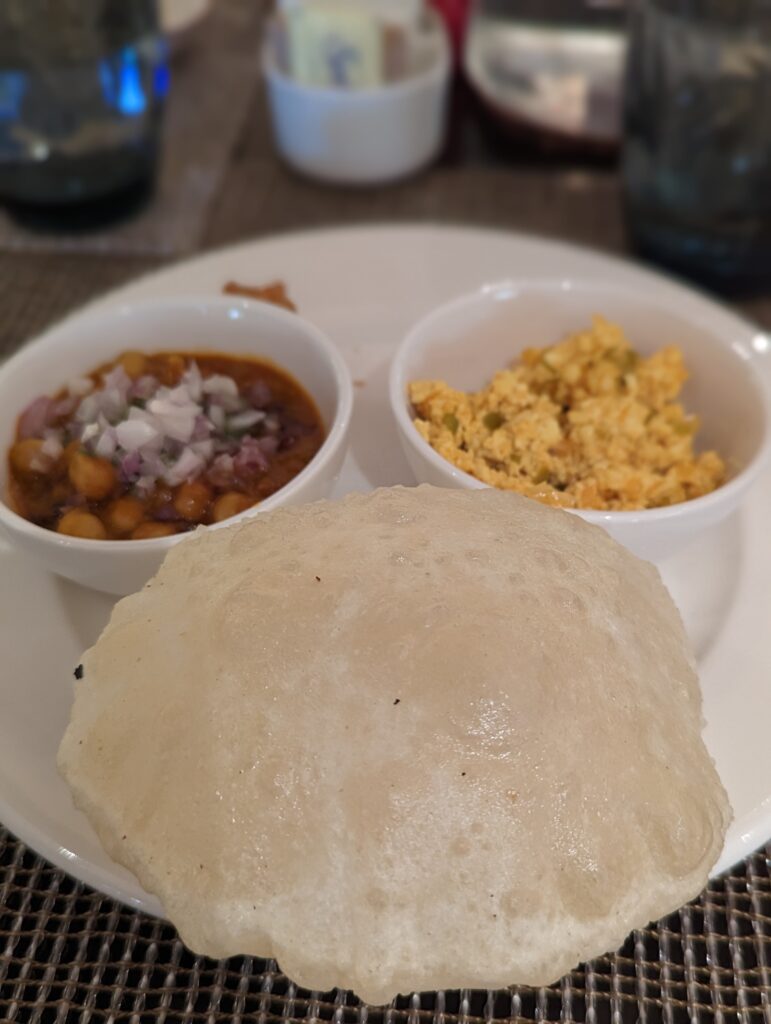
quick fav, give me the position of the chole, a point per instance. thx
(409, 740)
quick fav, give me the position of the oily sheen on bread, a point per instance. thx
(408, 740)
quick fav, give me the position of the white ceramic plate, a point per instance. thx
(364, 287)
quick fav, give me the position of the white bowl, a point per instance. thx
(362, 136)
(466, 341)
(222, 324)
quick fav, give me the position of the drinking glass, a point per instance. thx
(697, 152)
(82, 84)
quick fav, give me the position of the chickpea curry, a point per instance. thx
(153, 445)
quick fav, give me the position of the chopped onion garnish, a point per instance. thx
(179, 426)
(143, 388)
(36, 417)
(145, 486)
(250, 456)
(244, 420)
(203, 448)
(268, 444)
(130, 466)
(220, 472)
(153, 433)
(193, 382)
(135, 413)
(89, 408)
(218, 384)
(187, 466)
(259, 394)
(117, 380)
(202, 428)
(217, 417)
(106, 445)
(152, 465)
(51, 448)
(64, 407)
(134, 434)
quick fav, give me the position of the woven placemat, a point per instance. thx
(68, 954)
(213, 81)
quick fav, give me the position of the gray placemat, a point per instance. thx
(69, 954)
(214, 76)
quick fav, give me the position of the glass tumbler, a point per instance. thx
(82, 84)
(697, 151)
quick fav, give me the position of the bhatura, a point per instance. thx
(408, 740)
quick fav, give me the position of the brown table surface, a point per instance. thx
(68, 954)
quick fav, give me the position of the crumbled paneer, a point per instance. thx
(586, 423)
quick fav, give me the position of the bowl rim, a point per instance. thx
(506, 289)
(336, 433)
(438, 70)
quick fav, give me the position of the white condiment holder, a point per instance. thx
(365, 136)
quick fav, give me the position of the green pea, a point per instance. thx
(451, 422)
(684, 427)
(626, 360)
(493, 420)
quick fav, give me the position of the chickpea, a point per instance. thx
(192, 500)
(230, 504)
(70, 451)
(162, 496)
(28, 460)
(150, 531)
(133, 363)
(85, 525)
(91, 477)
(125, 515)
